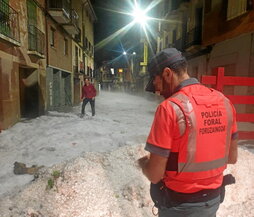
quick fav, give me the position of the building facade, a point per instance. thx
(211, 34)
(61, 30)
(70, 50)
(22, 60)
(46, 48)
(83, 47)
(231, 37)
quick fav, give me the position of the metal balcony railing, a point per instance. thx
(36, 40)
(78, 36)
(74, 17)
(193, 37)
(60, 5)
(85, 43)
(9, 22)
(72, 26)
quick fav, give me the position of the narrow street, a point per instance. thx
(95, 157)
(120, 120)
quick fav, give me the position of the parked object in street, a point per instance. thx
(88, 95)
(192, 139)
(21, 168)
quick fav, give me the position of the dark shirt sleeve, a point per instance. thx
(157, 150)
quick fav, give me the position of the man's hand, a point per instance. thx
(93, 98)
(143, 161)
(233, 152)
(153, 166)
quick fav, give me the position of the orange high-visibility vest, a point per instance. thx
(202, 151)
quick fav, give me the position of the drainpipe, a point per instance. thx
(47, 55)
(251, 55)
(46, 31)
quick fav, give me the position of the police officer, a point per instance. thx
(192, 139)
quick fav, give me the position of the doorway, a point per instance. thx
(29, 93)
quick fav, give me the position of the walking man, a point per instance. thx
(192, 139)
(88, 95)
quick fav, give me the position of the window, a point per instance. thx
(249, 4)
(76, 52)
(87, 70)
(65, 46)
(31, 12)
(52, 37)
(166, 41)
(5, 18)
(91, 72)
(166, 7)
(175, 4)
(158, 46)
(174, 36)
(236, 8)
(85, 43)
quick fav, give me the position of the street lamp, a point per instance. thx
(132, 62)
(131, 57)
(139, 15)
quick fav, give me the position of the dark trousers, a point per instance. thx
(92, 103)
(204, 203)
(201, 209)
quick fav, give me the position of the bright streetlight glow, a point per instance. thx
(124, 53)
(139, 16)
(134, 53)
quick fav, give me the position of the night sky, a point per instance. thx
(108, 23)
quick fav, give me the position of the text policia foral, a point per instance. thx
(212, 122)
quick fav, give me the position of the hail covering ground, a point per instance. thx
(96, 158)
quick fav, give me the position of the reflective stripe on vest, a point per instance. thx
(183, 103)
(180, 118)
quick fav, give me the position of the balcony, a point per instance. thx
(60, 10)
(9, 24)
(193, 39)
(36, 42)
(72, 26)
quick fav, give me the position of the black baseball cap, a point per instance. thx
(163, 59)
